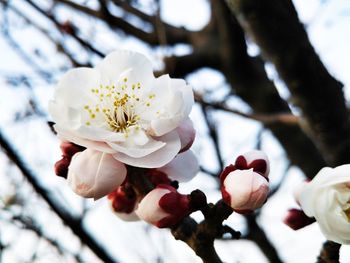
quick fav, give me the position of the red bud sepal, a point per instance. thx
(297, 219)
(164, 206)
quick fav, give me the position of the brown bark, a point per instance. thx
(329, 253)
(275, 27)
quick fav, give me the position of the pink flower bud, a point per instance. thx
(297, 219)
(163, 207)
(257, 160)
(187, 134)
(94, 174)
(244, 190)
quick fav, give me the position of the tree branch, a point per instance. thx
(174, 35)
(213, 135)
(281, 118)
(60, 46)
(199, 236)
(248, 80)
(72, 33)
(329, 253)
(257, 235)
(300, 67)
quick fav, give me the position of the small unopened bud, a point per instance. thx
(297, 219)
(256, 160)
(244, 190)
(94, 174)
(163, 207)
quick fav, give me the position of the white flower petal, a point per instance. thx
(161, 126)
(74, 87)
(94, 174)
(65, 115)
(137, 151)
(173, 101)
(158, 158)
(183, 168)
(71, 137)
(187, 95)
(139, 137)
(99, 134)
(187, 134)
(122, 63)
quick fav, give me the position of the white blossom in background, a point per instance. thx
(120, 108)
(327, 198)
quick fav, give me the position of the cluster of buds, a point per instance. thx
(244, 185)
(168, 205)
(164, 206)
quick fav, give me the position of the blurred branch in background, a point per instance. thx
(75, 224)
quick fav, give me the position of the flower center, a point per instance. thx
(117, 106)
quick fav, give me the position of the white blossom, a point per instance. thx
(327, 198)
(120, 108)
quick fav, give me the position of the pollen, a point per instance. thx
(116, 106)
